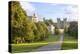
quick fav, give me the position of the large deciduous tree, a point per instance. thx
(21, 27)
(73, 29)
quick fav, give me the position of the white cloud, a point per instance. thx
(72, 12)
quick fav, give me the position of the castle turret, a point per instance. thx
(34, 18)
(65, 22)
(58, 23)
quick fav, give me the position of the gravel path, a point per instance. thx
(51, 46)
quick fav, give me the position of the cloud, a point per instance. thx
(71, 12)
(30, 9)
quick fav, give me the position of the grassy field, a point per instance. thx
(69, 43)
(28, 47)
(51, 38)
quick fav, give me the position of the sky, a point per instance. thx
(51, 10)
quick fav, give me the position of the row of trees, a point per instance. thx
(22, 29)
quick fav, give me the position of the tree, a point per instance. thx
(21, 26)
(73, 29)
(48, 22)
(17, 17)
(36, 32)
(43, 31)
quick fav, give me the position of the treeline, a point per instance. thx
(73, 29)
(22, 28)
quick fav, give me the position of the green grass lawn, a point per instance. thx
(51, 38)
(69, 43)
(17, 48)
(28, 47)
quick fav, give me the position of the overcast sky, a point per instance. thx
(51, 10)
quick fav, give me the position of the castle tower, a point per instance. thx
(65, 22)
(61, 24)
(34, 18)
(58, 23)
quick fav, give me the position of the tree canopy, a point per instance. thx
(22, 28)
(73, 29)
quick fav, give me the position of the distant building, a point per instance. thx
(61, 25)
(51, 29)
(34, 18)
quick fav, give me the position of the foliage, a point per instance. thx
(57, 31)
(22, 28)
(42, 28)
(73, 29)
(48, 22)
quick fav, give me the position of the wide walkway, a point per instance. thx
(52, 46)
